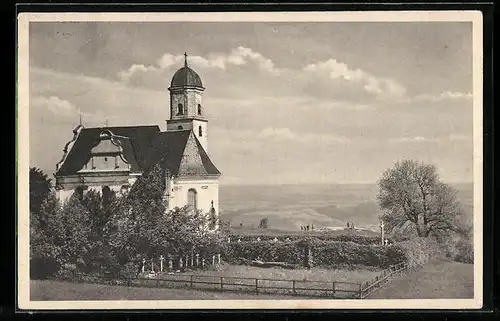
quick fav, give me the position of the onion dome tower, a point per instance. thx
(186, 103)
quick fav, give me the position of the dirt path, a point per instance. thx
(436, 280)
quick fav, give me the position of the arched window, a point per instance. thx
(199, 109)
(192, 199)
(106, 195)
(180, 110)
(179, 127)
(200, 131)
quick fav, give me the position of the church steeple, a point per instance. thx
(186, 103)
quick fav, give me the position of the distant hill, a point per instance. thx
(287, 207)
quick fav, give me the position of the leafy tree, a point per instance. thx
(71, 232)
(100, 209)
(40, 186)
(142, 228)
(263, 223)
(412, 194)
(44, 253)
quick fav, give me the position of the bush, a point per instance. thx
(264, 250)
(465, 251)
(336, 254)
(421, 250)
(325, 253)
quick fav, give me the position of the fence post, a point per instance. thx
(293, 286)
(333, 288)
(360, 291)
(191, 281)
(221, 282)
(256, 286)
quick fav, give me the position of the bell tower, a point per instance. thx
(186, 104)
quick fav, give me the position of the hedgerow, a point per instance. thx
(269, 251)
(337, 253)
(325, 253)
(359, 239)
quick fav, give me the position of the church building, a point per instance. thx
(114, 158)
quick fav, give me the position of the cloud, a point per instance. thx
(239, 56)
(444, 96)
(55, 105)
(382, 88)
(97, 99)
(280, 134)
(305, 138)
(129, 73)
(441, 139)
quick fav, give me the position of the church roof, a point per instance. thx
(170, 148)
(186, 77)
(88, 138)
(143, 147)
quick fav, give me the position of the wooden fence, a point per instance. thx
(328, 289)
(369, 287)
(333, 289)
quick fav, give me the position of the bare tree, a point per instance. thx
(412, 192)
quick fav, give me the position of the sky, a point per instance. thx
(287, 103)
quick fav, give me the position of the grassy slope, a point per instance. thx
(436, 280)
(65, 291)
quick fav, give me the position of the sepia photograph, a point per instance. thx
(312, 160)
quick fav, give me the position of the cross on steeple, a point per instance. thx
(185, 59)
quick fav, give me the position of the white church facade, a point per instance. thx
(114, 158)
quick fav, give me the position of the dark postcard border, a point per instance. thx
(8, 304)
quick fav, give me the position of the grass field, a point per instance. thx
(436, 280)
(313, 274)
(303, 282)
(56, 290)
(64, 291)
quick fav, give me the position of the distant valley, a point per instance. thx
(287, 207)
